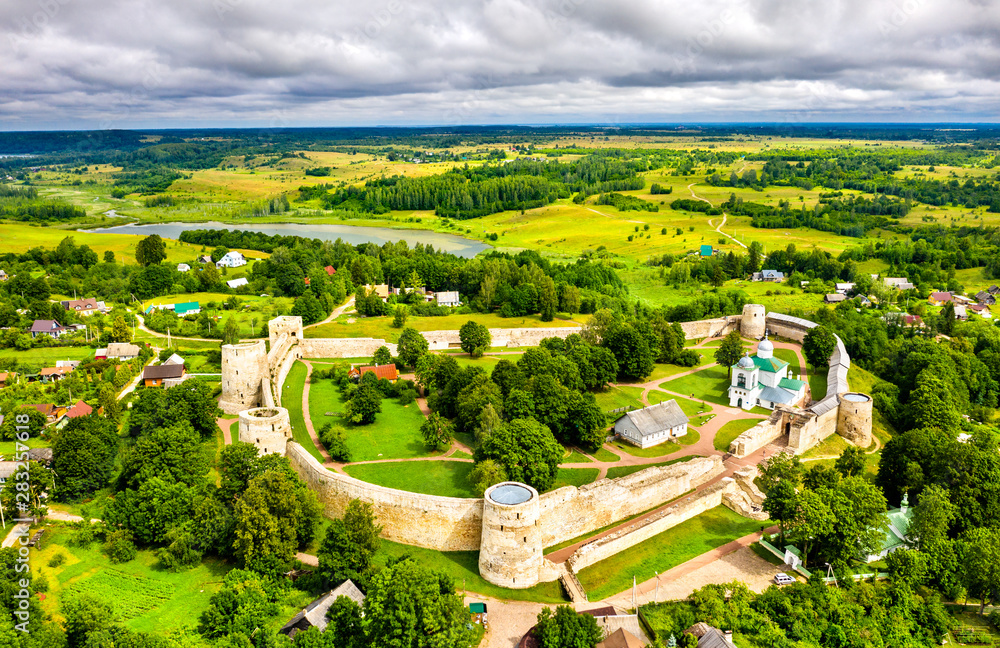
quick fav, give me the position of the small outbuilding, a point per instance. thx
(652, 425)
(448, 298)
(314, 614)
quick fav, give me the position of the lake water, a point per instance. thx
(349, 233)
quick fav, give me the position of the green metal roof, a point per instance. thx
(791, 383)
(184, 307)
(706, 250)
(771, 365)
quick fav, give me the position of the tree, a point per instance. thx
(172, 453)
(268, 517)
(109, 256)
(783, 466)
(979, 557)
(350, 544)
(231, 332)
(83, 455)
(812, 519)
(407, 606)
(946, 319)
(219, 252)
(730, 351)
(84, 614)
(851, 462)
(818, 346)
(150, 250)
(548, 300)
(929, 404)
(308, 308)
(411, 347)
(119, 330)
(859, 510)
(567, 628)
(32, 480)
(437, 432)
(399, 317)
(475, 338)
(631, 350)
(346, 624)
(526, 450)
(484, 474)
(932, 518)
(364, 405)
(781, 505)
(382, 356)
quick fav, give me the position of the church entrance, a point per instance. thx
(739, 403)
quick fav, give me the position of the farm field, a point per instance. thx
(348, 326)
(145, 597)
(673, 547)
(32, 360)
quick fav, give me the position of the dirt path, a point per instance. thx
(226, 425)
(718, 228)
(308, 419)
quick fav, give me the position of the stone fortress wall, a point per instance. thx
(460, 524)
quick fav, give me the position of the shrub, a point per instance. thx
(335, 442)
(119, 546)
(57, 560)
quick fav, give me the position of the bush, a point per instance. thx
(57, 560)
(687, 358)
(119, 546)
(335, 442)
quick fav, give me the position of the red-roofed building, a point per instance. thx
(330, 270)
(938, 298)
(54, 373)
(78, 410)
(387, 371)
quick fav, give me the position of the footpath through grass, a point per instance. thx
(463, 567)
(445, 478)
(664, 551)
(728, 432)
(291, 399)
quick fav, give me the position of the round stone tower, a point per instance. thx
(268, 428)
(243, 368)
(752, 324)
(511, 550)
(854, 418)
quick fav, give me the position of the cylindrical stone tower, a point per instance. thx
(268, 428)
(753, 324)
(243, 368)
(854, 418)
(511, 550)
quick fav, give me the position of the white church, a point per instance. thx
(763, 380)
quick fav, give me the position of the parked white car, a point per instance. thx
(783, 579)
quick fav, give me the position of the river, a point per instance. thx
(349, 233)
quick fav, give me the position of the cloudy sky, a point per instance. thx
(178, 63)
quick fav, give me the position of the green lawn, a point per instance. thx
(603, 454)
(818, 384)
(395, 434)
(788, 355)
(7, 447)
(463, 567)
(575, 477)
(146, 597)
(668, 370)
(575, 457)
(728, 432)
(445, 478)
(689, 407)
(291, 399)
(673, 547)
(616, 397)
(710, 384)
(32, 360)
(621, 471)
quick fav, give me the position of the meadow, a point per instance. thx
(350, 325)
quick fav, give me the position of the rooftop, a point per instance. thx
(656, 418)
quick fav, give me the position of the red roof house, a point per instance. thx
(330, 270)
(387, 371)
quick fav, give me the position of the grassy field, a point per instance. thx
(710, 384)
(864, 382)
(622, 471)
(603, 454)
(32, 360)
(617, 397)
(445, 478)
(291, 399)
(463, 567)
(146, 597)
(728, 432)
(347, 326)
(667, 370)
(575, 457)
(575, 477)
(395, 434)
(673, 547)
(817, 383)
(7, 447)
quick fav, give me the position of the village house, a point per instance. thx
(48, 327)
(236, 283)
(232, 259)
(3, 276)
(155, 376)
(448, 298)
(710, 637)
(121, 351)
(382, 290)
(621, 638)
(843, 288)
(174, 359)
(85, 307)
(983, 310)
(387, 371)
(330, 270)
(897, 525)
(939, 298)
(314, 614)
(984, 297)
(78, 410)
(205, 258)
(183, 267)
(705, 251)
(768, 275)
(7, 378)
(48, 410)
(834, 298)
(52, 374)
(899, 283)
(961, 313)
(763, 380)
(652, 425)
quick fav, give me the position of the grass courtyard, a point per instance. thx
(664, 551)
(291, 399)
(444, 478)
(728, 432)
(711, 384)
